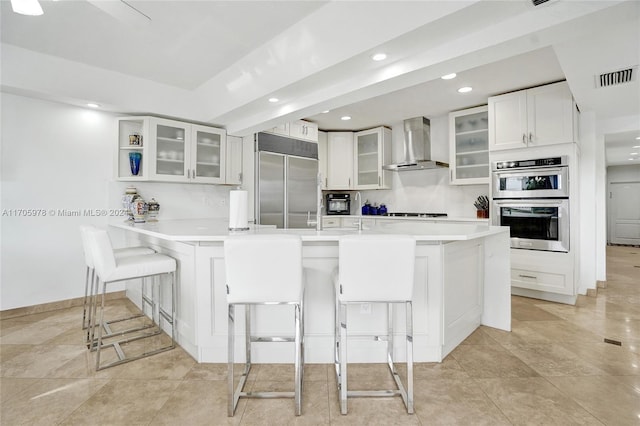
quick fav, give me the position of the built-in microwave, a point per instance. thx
(338, 203)
(540, 178)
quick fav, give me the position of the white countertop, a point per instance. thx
(217, 230)
(423, 219)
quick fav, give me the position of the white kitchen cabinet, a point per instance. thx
(323, 158)
(234, 161)
(207, 155)
(303, 130)
(372, 149)
(132, 132)
(299, 129)
(172, 151)
(340, 160)
(549, 273)
(469, 146)
(538, 116)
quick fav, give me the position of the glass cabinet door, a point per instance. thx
(470, 146)
(171, 151)
(367, 150)
(208, 155)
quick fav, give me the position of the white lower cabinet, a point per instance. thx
(544, 272)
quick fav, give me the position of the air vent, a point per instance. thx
(616, 78)
(538, 2)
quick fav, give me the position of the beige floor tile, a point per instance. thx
(455, 401)
(209, 371)
(370, 411)
(525, 309)
(279, 411)
(12, 387)
(198, 402)
(124, 402)
(173, 364)
(490, 361)
(39, 362)
(563, 331)
(553, 360)
(48, 401)
(34, 333)
(613, 360)
(535, 401)
(520, 333)
(614, 401)
(449, 368)
(479, 337)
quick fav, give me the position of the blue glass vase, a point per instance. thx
(134, 162)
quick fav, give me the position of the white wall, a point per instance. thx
(427, 190)
(59, 157)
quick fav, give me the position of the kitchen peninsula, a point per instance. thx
(462, 280)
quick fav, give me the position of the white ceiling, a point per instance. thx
(219, 61)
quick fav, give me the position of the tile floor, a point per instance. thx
(552, 369)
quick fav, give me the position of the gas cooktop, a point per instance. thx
(402, 214)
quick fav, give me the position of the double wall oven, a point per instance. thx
(531, 197)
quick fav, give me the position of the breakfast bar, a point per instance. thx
(462, 280)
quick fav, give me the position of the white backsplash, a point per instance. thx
(179, 200)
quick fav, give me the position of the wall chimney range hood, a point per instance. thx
(417, 147)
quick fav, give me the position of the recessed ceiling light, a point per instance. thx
(93, 105)
(636, 146)
(638, 138)
(449, 76)
(379, 57)
(465, 89)
(345, 118)
(273, 100)
(325, 112)
(634, 153)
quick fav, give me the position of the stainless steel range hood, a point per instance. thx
(417, 147)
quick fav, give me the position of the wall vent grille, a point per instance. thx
(538, 2)
(616, 78)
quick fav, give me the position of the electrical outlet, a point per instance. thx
(365, 308)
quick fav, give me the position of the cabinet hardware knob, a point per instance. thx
(524, 138)
(530, 137)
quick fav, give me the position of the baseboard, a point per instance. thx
(53, 306)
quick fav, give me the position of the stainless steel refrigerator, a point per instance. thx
(286, 181)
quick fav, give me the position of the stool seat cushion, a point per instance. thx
(132, 251)
(376, 268)
(140, 266)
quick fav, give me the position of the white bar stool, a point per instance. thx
(264, 270)
(375, 269)
(89, 284)
(109, 270)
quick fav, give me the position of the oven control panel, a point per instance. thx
(540, 162)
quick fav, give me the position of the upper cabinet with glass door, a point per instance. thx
(372, 149)
(208, 154)
(171, 151)
(469, 146)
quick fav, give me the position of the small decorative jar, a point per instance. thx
(153, 208)
(130, 194)
(139, 210)
(382, 210)
(373, 210)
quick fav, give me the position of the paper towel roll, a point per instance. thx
(238, 210)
